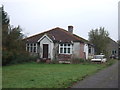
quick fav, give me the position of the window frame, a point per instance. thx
(31, 47)
(64, 47)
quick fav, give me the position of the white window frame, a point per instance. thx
(26, 46)
(34, 46)
(71, 48)
(29, 45)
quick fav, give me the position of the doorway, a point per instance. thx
(45, 50)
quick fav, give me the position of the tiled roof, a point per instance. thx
(56, 34)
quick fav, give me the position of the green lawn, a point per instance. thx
(33, 75)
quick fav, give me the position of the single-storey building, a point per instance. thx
(59, 44)
(112, 48)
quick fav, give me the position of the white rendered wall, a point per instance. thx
(86, 50)
(45, 40)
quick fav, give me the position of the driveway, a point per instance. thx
(107, 78)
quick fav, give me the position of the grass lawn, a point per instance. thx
(33, 75)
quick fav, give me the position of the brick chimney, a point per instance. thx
(70, 29)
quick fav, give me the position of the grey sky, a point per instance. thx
(36, 16)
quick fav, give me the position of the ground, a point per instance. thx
(107, 78)
(34, 75)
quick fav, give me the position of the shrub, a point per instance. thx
(54, 61)
(77, 60)
(110, 62)
(13, 57)
(7, 57)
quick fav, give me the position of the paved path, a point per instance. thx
(107, 78)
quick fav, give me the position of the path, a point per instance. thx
(107, 78)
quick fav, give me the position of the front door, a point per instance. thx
(45, 50)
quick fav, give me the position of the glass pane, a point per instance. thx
(68, 50)
(31, 44)
(27, 44)
(61, 44)
(113, 52)
(34, 44)
(64, 44)
(68, 44)
(27, 48)
(64, 50)
(30, 49)
(34, 49)
(61, 50)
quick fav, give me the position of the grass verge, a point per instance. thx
(33, 75)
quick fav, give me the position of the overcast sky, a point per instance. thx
(36, 16)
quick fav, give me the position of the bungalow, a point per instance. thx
(59, 44)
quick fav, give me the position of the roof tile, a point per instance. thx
(56, 34)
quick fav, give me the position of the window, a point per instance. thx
(68, 50)
(27, 47)
(61, 44)
(64, 45)
(114, 52)
(65, 48)
(31, 47)
(61, 50)
(34, 48)
(89, 51)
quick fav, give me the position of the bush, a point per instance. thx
(110, 62)
(6, 57)
(77, 60)
(13, 57)
(54, 61)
